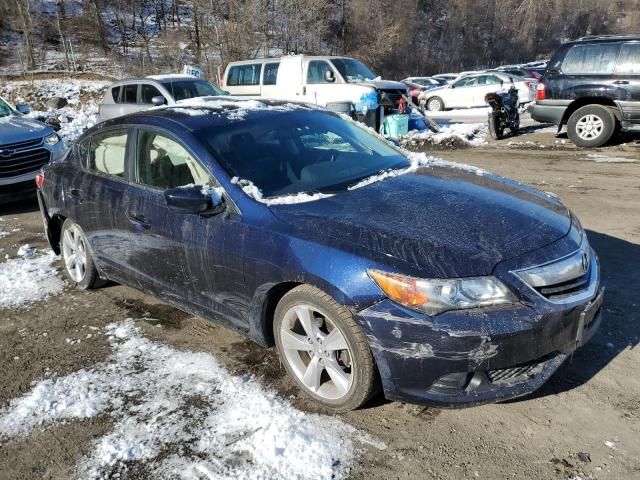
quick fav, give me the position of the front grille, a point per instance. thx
(563, 289)
(25, 161)
(21, 145)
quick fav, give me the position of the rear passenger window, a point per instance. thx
(163, 163)
(244, 75)
(147, 92)
(591, 59)
(270, 74)
(115, 93)
(629, 59)
(130, 94)
(107, 153)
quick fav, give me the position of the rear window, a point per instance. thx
(270, 74)
(591, 59)
(244, 75)
(629, 59)
(115, 93)
(130, 94)
(107, 153)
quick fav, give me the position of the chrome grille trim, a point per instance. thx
(576, 273)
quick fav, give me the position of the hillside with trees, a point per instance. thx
(403, 37)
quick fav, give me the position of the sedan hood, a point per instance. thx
(435, 222)
(17, 128)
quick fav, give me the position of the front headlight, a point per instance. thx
(433, 296)
(51, 139)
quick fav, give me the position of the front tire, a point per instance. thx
(76, 256)
(591, 126)
(435, 104)
(323, 349)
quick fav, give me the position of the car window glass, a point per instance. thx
(467, 82)
(629, 59)
(147, 92)
(591, 59)
(115, 93)
(130, 93)
(108, 152)
(163, 163)
(316, 71)
(183, 89)
(244, 75)
(270, 73)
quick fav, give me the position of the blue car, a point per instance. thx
(438, 284)
(26, 145)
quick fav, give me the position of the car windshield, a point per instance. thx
(183, 89)
(5, 109)
(286, 153)
(353, 71)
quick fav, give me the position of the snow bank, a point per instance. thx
(185, 416)
(450, 136)
(28, 279)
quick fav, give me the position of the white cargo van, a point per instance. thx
(328, 81)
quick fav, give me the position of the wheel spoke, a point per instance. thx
(339, 377)
(70, 261)
(79, 271)
(311, 377)
(306, 319)
(294, 341)
(76, 240)
(68, 239)
(334, 341)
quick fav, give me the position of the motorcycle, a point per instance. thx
(504, 112)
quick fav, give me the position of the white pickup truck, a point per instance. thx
(332, 82)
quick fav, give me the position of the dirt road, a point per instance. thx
(584, 422)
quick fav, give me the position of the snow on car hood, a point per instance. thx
(17, 128)
(438, 221)
(384, 84)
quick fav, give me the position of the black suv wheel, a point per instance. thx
(591, 126)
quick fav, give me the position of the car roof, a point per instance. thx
(155, 79)
(198, 113)
(590, 38)
(277, 59)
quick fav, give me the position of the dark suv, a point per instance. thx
(593, 86)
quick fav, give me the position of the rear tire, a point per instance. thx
(591, 126)
(496, 130)
(323, 349)
(76, 256)
(516, 125)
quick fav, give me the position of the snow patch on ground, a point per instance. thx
(454, 135)
(595, 157)
(28, 279)
(162, 400)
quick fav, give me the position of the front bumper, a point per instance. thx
(472, 357)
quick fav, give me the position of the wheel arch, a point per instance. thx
(55, 230)
(584, 101)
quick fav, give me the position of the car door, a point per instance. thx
(317, 89)
(95, 201)
(461, 93)
(269, 77)
(486, 84)
(128, 102)
(627, 75)
(244, 79)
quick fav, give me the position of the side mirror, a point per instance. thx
(195, 200)
(158, 100)
(23, 108)
(329, 77)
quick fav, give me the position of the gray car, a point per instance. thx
(134, 95)
(26, 145)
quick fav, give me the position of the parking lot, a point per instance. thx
(585, 422)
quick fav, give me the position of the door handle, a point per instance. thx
(621, 82)
(138, 219)
(75, 193)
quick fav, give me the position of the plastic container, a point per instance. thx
(396, 125)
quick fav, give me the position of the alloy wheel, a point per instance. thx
(434, 105)
(74, 253)
(589, 127)
(317, 352)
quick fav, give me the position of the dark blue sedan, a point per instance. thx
(440, 284)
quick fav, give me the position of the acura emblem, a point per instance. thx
(585, 262)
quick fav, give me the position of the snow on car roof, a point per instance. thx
(173, 76)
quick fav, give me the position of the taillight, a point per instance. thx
(540, 91)
(40, 180)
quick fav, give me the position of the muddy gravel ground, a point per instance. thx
(558, 432)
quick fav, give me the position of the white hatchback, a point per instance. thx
(469, 91)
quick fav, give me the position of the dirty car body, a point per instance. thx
(438, 222)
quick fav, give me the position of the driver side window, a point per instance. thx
(163, 163)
